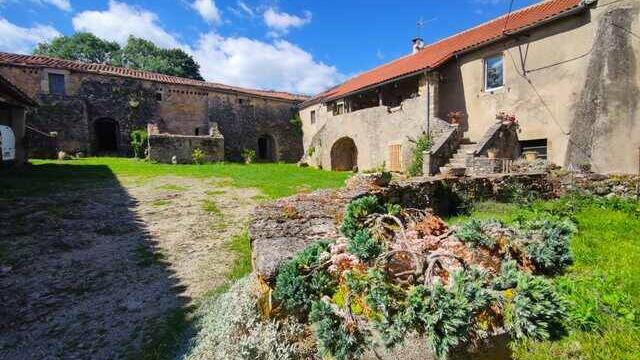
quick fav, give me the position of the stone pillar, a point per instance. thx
(18, 126)
(426, 163)
(433, 81)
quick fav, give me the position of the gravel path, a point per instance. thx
(89, 274)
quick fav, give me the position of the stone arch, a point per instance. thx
(107, 135)
(344, 155)
(266, 148)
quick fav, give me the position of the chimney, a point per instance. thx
(417, 45)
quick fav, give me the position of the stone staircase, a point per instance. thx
(460, 159)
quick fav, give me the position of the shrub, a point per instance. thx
(533, 309)
(364, 246)
(422, 144)
(473, 234)
(299, 282)
(230, 327)
(198, 156)
(548, 244)
(356, 212)
(248, 155)
(337, 339)
(139, 142)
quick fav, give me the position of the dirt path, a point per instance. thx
(90, 273)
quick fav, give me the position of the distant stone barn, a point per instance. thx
(93, 108)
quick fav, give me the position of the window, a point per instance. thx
(56, 84)
(493, 73)
(159, 96)
(313, 117)
(338, 108)
(538, 146)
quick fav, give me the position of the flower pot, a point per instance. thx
(492, 154)
(530, 156)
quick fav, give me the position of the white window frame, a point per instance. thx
(485, 63)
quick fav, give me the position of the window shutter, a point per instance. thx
(395, 163)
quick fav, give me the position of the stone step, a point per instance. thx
(457, 164)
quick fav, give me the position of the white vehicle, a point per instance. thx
(7, 144)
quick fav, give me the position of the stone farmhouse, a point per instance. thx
(93, 108)
(567, 69)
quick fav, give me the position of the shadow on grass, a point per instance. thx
(81, 276)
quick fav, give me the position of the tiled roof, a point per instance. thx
(8, 87)
(103, 69)
(437, 53)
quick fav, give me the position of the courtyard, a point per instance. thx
(107, 257)
(114, 258)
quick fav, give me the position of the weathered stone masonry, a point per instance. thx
(97, 112)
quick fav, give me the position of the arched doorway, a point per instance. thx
(266, 148)
(344, 155)
(106, 131)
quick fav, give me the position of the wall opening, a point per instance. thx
(266, 148)
(106, 135)
(344, 155)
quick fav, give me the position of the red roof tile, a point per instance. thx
(103, 69)
(437, 53)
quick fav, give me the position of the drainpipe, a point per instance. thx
(426, 77)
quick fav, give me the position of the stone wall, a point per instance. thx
(132, 104)
(443, 148)
(242, 126)
(163, 147)
(281, 229)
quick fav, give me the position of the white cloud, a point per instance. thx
(281, 22)
(280, 65)
(22, 40)
(208, 10)
(239, 61)
(60, 4)
(244, 7)
(121, 20)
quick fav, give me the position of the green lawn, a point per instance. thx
(273, 180)
(602, 287)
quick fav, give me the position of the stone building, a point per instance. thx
(14, 104)
(93, 108)
(567, 69)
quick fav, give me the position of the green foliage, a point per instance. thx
(364, 246)
(198, 156)
(508, 277)
(533, 309)
(296, 121)
(393, 209)
(300, 281)
(519, 194)
(357, 211)
(80, 46)
(139, 142)
(422, 144)
(248, 155)
(549, 246)
(141, 54)
(336, 338)
(473, 234)
(137, 54)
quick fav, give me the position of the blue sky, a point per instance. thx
(300, 46)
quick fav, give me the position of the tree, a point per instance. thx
(138, 54)
(141, 54)
(80, 46)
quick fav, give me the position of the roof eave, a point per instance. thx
(577, 9)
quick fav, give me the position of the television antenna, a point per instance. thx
(421, 24)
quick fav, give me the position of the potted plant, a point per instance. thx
(455, 117)
(506, 118)
(492, 153)
(530, 155)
